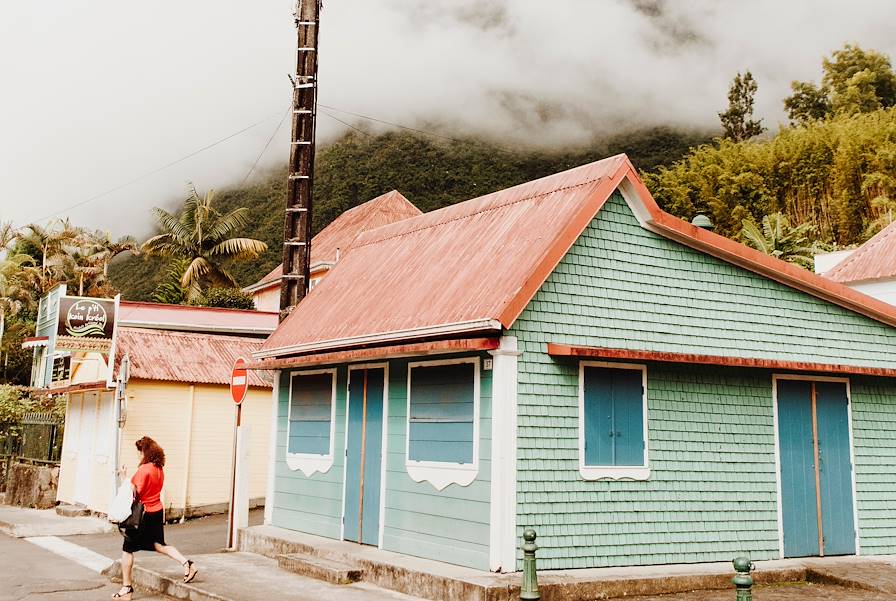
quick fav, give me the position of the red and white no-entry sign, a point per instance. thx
(239, 381)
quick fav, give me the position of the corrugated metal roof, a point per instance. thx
(874, 260)
(461, 264)
(476, 265)
(185, 356)
(342, 231)
(201, 319)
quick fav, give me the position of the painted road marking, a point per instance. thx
(76, 553)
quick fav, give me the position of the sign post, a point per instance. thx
(239, 490)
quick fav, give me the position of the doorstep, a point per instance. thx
(429, 579)
(243, 577)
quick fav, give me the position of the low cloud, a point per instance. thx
(98, 93)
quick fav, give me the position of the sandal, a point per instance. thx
(191, 572)
(126, 596)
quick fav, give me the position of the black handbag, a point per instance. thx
(133, 521)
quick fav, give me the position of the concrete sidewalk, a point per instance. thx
(21, 522)
(243, 577)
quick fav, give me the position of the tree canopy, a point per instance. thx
(854, 81)
(203, 239)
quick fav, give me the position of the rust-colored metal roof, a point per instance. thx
(187, 357)
(342, 231)
(874, 260)
(474, 266)
(197, 319)
(463, 264)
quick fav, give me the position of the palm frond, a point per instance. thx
(238, 248)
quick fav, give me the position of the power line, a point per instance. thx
(261, 154)
(334, 117)
(268, 143)
(153, 172)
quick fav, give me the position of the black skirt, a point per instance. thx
(144, 538)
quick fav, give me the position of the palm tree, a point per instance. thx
(203, 236)
(47, 243)
(107, 249)
(13, 296)
(780, 239)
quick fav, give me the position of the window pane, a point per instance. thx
(614, 417)
(441, 418)
(310, 409)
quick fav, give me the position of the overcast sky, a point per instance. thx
(97, 93)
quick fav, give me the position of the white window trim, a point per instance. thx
(852, 452)
(612, 472)
(439, 473)
(310, 463)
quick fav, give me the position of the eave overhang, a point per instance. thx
(435, 347)
(557, 350)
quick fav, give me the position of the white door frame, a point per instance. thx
(852, 452)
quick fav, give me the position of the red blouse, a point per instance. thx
(149, 480)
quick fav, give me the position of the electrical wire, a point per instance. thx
(152, 172)
(334, 117)
(260, 155)
(268, 143)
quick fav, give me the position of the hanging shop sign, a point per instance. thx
(85, 324)
(62, 371)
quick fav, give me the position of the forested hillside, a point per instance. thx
(430, 172)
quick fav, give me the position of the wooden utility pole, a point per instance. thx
(297, 229)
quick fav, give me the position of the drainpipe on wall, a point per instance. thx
(183, 515)
(119, 400)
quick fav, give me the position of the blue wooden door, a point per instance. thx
(797, 448)
(364, 454)
(813, 423)
(835, 469)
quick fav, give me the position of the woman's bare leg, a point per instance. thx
(127, 568)
(171, 552)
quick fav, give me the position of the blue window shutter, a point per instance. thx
(310, 411)
(628, 403)
(614, 417)
(441, 418)
(598, 417)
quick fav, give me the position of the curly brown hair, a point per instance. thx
(152, 452)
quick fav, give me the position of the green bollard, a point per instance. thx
(529, 590)
(743, 582)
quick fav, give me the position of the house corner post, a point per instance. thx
(502, 528)
(272, 451)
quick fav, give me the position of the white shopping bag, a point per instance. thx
(120, 508)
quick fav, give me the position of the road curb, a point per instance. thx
(160, 583)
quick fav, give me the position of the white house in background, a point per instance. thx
(333, 240)
(870, 268)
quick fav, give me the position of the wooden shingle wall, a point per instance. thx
(310, 504)
(711, 492)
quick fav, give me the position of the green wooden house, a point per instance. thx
(564, 355)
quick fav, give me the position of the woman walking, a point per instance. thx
(150, 535)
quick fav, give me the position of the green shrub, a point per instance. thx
(229, 298)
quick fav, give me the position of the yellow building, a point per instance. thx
(178, 394)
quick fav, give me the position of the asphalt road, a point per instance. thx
(29, 572)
